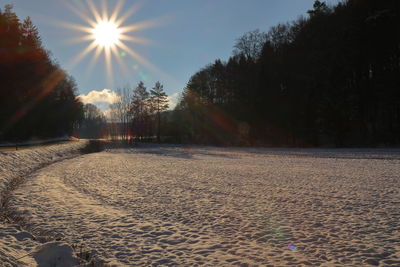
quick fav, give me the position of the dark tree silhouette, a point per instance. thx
(159, 103)
(140, 110)
(37, 98)
(331, 78)
(250, 44)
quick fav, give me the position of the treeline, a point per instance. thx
(136, 114)
(37, 98)
(331, 78)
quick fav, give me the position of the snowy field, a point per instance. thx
(172, 205)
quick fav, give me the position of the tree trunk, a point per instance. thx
(158, 128)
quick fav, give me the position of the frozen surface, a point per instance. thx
(17, 246)
(181, 206)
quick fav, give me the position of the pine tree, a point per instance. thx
(159, 102)
(140, 109)
(31, 33)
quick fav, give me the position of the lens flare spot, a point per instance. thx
(292, 247)
(142, 76)
(123, 54)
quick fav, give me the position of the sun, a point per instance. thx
(106, 34)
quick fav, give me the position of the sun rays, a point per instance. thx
(108, 34)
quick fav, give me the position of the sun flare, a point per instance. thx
(106, 34)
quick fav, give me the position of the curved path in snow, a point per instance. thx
(171, 205)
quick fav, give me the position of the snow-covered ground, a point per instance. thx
(172, 205)
(17, 246)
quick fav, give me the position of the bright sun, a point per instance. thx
(106, 34)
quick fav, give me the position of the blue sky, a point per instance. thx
(189, 35)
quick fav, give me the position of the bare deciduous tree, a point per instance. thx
(250, 44)
(120, 114)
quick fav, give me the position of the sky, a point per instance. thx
(181, 37)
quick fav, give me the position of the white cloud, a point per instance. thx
(173, 100)
(104, 96)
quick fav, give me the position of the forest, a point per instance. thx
(331, 78)
(37, 97)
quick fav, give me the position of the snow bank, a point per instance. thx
(18, 247)
(22, 162)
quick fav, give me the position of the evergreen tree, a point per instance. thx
(37, 97)
(140, 110)
(331, 78)
(159, 102)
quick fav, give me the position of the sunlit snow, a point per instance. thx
(201, 205)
